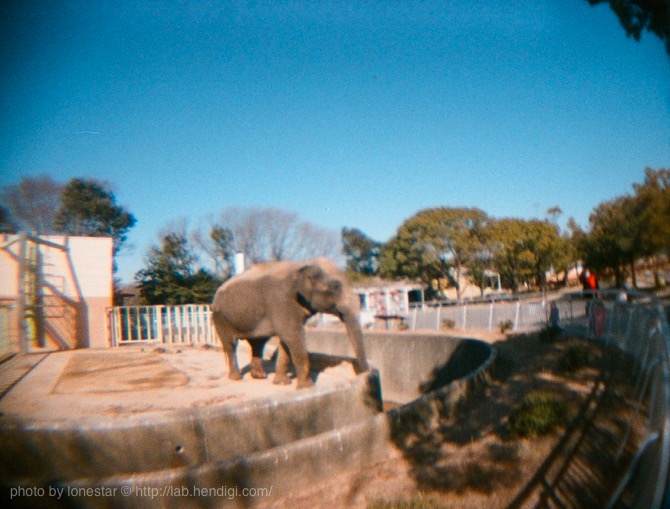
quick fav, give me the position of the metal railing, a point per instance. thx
(517, 316)
(636, 325)
(187, 324)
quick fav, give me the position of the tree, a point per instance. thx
(219, 246)
(614, 240)
(7, 224)
(170, 276)
(272, 234)
(653, 206)
(89, 208)
(524, 250)
(32, 204)
(638, 15)
(511, 256)
(436, 245)
(361, 251)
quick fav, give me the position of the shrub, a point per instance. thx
(448, 324)
(539, 413)
(549, 333)
(505, 326)
(574, 358)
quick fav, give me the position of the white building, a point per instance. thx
(54, 291)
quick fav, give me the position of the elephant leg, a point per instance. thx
(281, 366)
(257, 345)
(230, 348)
(300, 358)
(229, 343)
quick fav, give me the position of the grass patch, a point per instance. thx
(539, 414)
(448, 324)
(574, 358)
(549, 334)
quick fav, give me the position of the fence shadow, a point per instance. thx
(468, 448)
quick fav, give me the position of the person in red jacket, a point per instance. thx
(589, 281)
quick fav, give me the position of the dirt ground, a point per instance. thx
(470, 460)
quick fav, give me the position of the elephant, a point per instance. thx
(276, 299)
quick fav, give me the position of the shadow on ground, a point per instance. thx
(469, 448)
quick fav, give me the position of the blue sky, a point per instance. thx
(349, 113)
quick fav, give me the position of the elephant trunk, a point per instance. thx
(355, 337)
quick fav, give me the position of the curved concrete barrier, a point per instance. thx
(278, 443)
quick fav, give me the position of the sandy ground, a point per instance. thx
(73, 386)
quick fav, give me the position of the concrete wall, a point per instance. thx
(75, 289)
(409, 364)
(295, 441)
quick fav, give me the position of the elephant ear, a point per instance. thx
(313, 282)
(307, 280)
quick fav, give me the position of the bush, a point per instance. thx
(505, 326)
(574, 358)
(448, 324)
(550, 333)
(539, 414)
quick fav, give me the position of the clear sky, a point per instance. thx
(350, 113)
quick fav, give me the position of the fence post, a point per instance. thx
(516, 314)
(491, 316)
(437, 319)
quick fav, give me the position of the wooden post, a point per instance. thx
(21, 295)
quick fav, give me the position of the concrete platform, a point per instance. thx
(142, 427)
(130, 383)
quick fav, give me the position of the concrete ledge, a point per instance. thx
(102, 446)
(410, 364)
(428, 373)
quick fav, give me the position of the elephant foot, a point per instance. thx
(235, 375)
(257, 370)
(281, 380)
(305, 383)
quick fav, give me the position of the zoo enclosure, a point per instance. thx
(635, 325)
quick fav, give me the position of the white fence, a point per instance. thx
(188, 324)
(516, 316)
(192, 324)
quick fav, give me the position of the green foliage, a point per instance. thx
(630, 227)
(524, 250)
(574, 358)
(549, 333)
(170, 278)
(361, 251)
(539, 414)
(89, 208)
(638, 15)
(435, 245)
(505, 326)
(653, 207)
